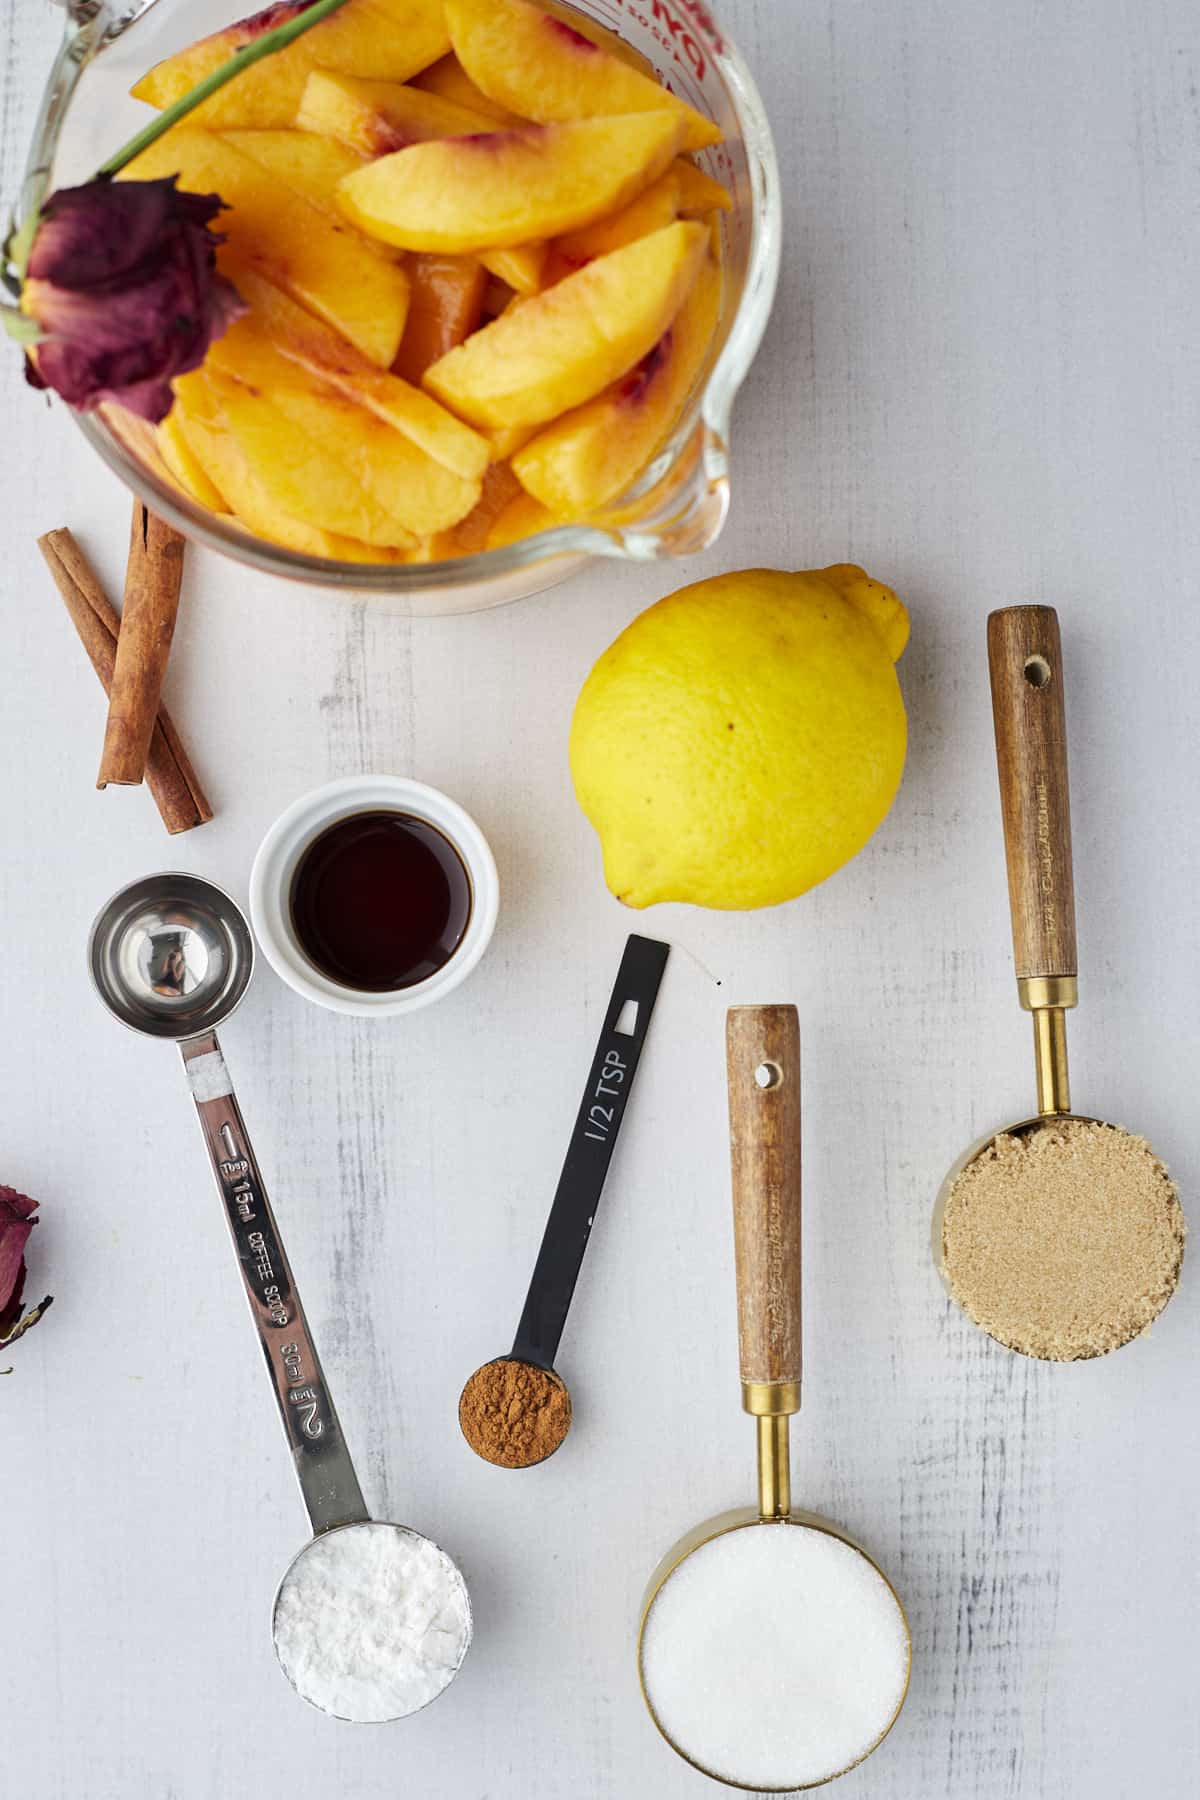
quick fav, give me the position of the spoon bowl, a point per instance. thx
(171, 956)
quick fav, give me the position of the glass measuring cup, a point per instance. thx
(677, 505)
(171, 957)
(1026, 667)
(866, 1653)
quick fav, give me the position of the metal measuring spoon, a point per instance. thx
(171, 956)
(1026, 667)
(865, 1652)
(510, 1393)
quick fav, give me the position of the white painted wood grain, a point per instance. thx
(981, 382)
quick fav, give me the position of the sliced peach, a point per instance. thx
(496, 296)
(321, 263)
(508, 187)
(391, 39)
(500, 488)
(185, 466)
(698, 193)
(506, 440)
(598, 34)
(447, 303)
(520, 268)
(303, 340)
(281, 483)
(589, 456)
(448, 78)
(655, 206)
(377, 117)
(558, 349)
(545, 69)
(521, 518)
(398, 480)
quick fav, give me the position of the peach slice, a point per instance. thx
(520, 268)
(392, 39)
(508, 187)
(322, 264)
(448, 78)
(377, 117)
(539, 66)
(446, 306)
(500, 488)
(655, 206)
(184, 465)
(699, 194)
(303, 340)
(589, 456)
(395, 479)
(520, 519)
(558, 349)
(265, 467)
(599, 34)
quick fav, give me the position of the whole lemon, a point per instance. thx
(744, 737)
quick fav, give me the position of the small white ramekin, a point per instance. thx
(288, 839)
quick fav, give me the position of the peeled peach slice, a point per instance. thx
(521, 267)
(446, 305)
(398, 480)
(377, 117)
(448, 78)
(303, 340)
(655, 206)
(558, 349)
(698, 193)
(520, 519)
(266, 467)
(500, 488)
(539, 66)
(321, 263)
(508, 187)
(391, 39)
(589, 456)
(184, 465)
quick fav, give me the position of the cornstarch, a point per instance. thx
(371, 1622)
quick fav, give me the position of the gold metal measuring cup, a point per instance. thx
(1026, 668)
(763, 1063)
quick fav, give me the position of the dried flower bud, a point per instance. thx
(122, 281)
(16, 1223)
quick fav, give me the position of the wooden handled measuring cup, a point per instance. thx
(773, 1653)
(1060, 1235)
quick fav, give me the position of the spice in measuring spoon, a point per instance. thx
(516, 1411)
(1060, 1236)
(773, 1652)
(371, 1620)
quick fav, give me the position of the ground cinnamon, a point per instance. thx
(514, 1414)
(153, 576)
(169, 773)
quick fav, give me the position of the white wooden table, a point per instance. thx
(980, 382)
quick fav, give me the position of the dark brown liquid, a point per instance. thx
(380, 901)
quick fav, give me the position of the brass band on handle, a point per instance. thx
(1028, 711)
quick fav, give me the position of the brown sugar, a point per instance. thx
(514, 1414)
(1063, 1242)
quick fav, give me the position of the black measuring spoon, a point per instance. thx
(515, 1411)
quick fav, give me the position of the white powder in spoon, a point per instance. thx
(371, 1622)
(775, 1656)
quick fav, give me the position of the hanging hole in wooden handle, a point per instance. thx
(768, 1075)
(1038, 672)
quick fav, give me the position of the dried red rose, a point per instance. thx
(122, 281)
(16, 1223)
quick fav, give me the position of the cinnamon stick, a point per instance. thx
(169, 772)
(152, 579)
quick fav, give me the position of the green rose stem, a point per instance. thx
(20, 243)
(271, 41)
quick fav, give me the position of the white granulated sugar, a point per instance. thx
(775, 1656)
(371, 1622)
